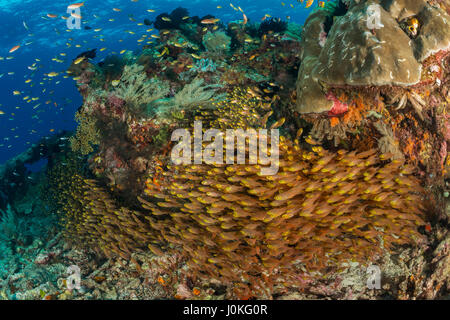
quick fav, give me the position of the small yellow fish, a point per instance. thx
(78, 60)
(115, 83)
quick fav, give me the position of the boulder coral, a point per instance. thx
(357, 53)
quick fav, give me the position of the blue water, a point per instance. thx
(22, 123)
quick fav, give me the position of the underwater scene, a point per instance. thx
(225, 150)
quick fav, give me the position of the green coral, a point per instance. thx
(192, 95)
(138, 91)
(217, 42)
(87, 134)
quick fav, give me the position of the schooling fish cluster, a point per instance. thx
(91, 217)
(320, 210)
(251, 231)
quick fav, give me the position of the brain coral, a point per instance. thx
(353, 54)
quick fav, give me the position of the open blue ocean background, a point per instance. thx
(43, 42)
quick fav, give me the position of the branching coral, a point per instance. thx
(87, 134)
(324, 129)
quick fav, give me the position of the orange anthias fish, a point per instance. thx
(309, 3)
(14, 49)
(76, 5)
(210, 21)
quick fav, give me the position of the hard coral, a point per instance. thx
(354, 55)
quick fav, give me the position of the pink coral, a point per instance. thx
(115, 102)
(443, 152)
(447, 128)
(338, 108)
(322, 36)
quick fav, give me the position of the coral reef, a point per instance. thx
(363, 166)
